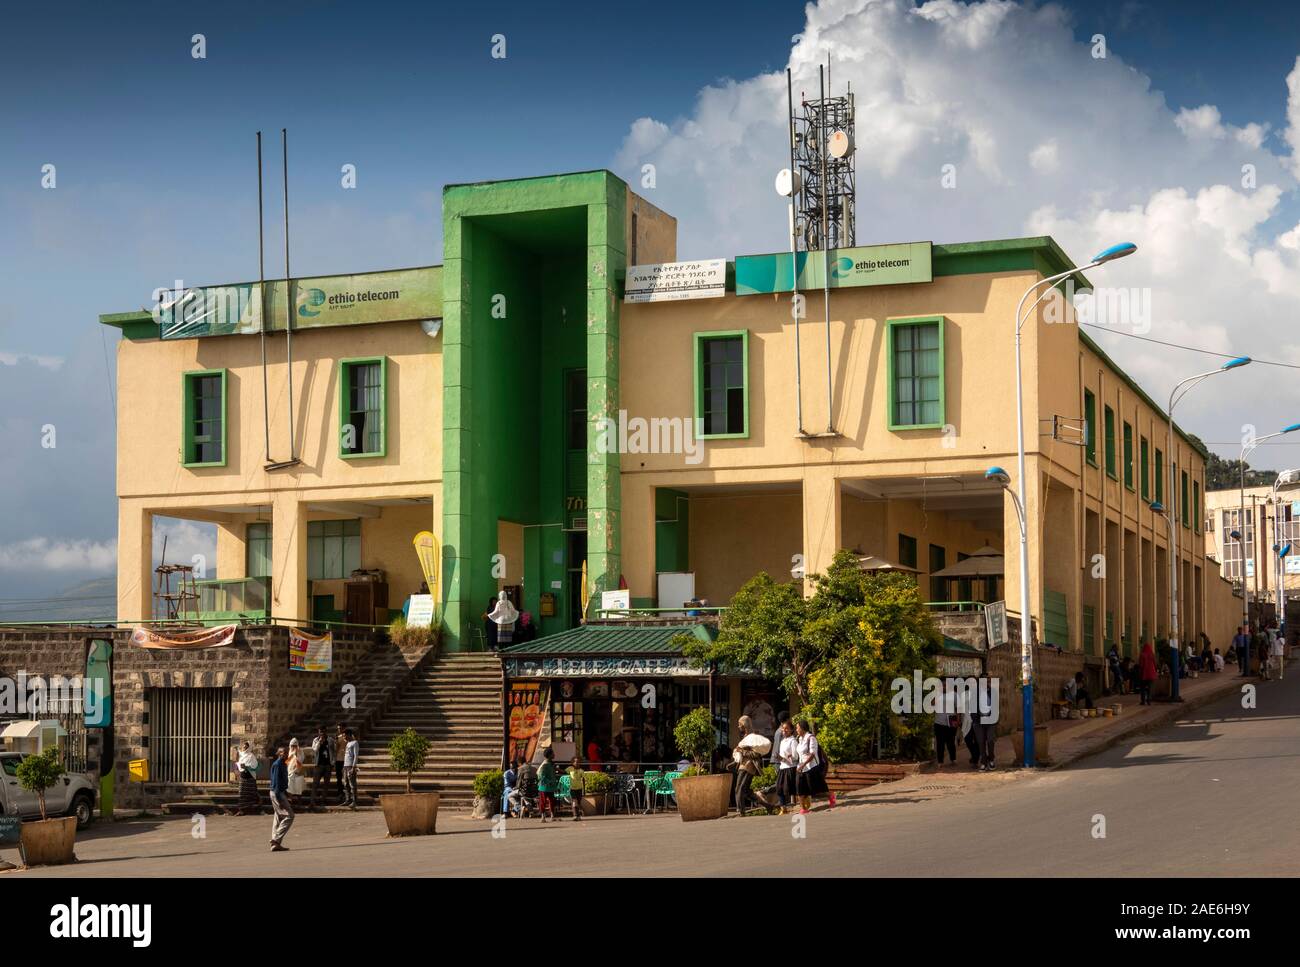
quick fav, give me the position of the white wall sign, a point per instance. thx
(995, 623)
(616, 601)
(676, 280)
(420, 614)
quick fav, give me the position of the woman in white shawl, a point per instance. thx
(504, 616)
(294, 765)
(246, 765)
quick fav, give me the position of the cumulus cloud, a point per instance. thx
(45, 362)
(1045, 138)
(88, 558)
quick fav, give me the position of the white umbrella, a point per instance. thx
(759, 743)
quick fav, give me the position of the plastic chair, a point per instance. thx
(650, 780)
(624, 789)
(564, 792)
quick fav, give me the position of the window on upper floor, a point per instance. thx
(203, 440)
(722, 383)
(363, 413)
(1090, 426)
(257, 551)
(1110, 442)
(916, 373)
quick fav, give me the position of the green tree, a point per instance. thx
(36, 773)
(407, 752)
(694, 735)
(1221, 474)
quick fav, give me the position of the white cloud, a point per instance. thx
(1044, 138)
(89, 558)
(188, 542)
(45, 362)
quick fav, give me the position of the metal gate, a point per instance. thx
(189, 735)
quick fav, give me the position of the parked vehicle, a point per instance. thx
(72, 795)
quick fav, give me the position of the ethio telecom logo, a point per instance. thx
(308, 299)
(843, 266)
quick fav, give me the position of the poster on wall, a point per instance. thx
(616, 601)
(670, 281)
(183, 640)
(310, 653)
(526, 712)
(421, 613)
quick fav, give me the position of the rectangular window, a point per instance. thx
(1128, 455)
(257, 551)
(1110, 442)
(333, 548)
(1160, 478)
(916, 373)
(721, 383)
(1145, 468)
(363, 407)
(938, 586)
(1196, 506)
(189, 734)
(1090, 426)
(906, 550)
(203, 442)
(1183, 516)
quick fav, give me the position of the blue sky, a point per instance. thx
(156, 180)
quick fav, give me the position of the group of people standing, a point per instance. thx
(800, 765)
(978, 732)
(287, 779)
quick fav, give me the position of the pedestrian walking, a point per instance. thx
(577, 782)
(250, 803)
(297, 781)
(351, 751)
(984, 727)
(1148, 672)
(547, 784)
(1241, 647)
(1277, 653)
(283, 809)
(323, 747)
(504, 615)
(810, 773)
(748, 761)
(340, 747)
(945, 736)
(787, 786)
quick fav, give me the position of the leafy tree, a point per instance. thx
(36, 773)
(694, 735)
(407, 752)
(1221, 474)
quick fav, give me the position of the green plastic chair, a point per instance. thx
(564, 790)
(664, 785)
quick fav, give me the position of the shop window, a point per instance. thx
(916, 373)
(721, 383)
(333, 548)
(906, 550)
(1090, 426)
(203, 443)
(1110, 441)
(363, 407)
(257, 551)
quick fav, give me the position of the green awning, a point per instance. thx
(611, 639)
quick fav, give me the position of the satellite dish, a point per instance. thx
(787, 183)
(839, 144)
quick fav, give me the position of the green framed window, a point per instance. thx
(906, 550)
(333, 548)
(363, 407)
(1090, 426)
(1110, 442)
(1160, 477)
(203, 436)
(1128, 455)
(1144, 457)
(916, 373)
(1196, 506)
(722, 383)
(257, 551)
(1183, 516)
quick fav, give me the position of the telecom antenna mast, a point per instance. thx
(823, 131)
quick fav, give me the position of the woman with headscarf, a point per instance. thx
(748, 763)
(246, 765)
(504, 616)
(1148, 672)
(294, 763)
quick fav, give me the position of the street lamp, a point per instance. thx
(1108, 254)
(1175, 396)
(1247, 448)
(1286, 480)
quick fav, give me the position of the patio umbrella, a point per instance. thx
(759, 743)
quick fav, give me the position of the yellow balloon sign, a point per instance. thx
(427, 550)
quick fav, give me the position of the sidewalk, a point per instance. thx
(1073, 739)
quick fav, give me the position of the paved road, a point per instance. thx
(1214, 794)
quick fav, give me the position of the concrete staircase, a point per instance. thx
(453, 700)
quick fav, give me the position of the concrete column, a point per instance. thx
(638, 537)
(821, 520)
(134, 561)
(289, 599)
(232, 558)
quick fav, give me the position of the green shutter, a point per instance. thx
(1090, 426)
(1145, 469)
(203, 426)
(1110, 442)
(363, 406)
(1128, 455)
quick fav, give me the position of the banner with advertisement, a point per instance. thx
(527, 711)
(896, 264)
(163, 638)
(309, 652)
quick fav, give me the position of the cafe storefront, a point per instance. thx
(611, 693)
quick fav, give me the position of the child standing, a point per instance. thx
(576, 784)
(547, 783)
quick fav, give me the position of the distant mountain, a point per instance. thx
(94, 600)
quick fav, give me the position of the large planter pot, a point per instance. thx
(1042, 743)
(595, 805)
(49, 842)
(411, 813)
(703, 797)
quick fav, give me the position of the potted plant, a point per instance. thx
(489, 787)
(49, 841)
(596, 787)
(409, 813)
(699, 795)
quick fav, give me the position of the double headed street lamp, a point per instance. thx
(1175, 397)
(998, 474)
(1286, 480)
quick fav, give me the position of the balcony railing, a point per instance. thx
(234, 599)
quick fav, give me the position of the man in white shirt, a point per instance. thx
(350, 754)
(1277, 649)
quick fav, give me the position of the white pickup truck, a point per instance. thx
(72, 795)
